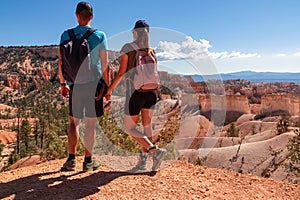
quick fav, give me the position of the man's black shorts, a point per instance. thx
(82, 101)
(139, 100)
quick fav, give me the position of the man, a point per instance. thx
(81, 92)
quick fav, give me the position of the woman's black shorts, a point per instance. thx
(139, 100)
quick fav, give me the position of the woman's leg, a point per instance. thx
(130, 123)
(147, 124)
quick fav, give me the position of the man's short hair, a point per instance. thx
(84, 6)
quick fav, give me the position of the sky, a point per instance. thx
(235, 35)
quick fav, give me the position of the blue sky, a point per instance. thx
(258, 35)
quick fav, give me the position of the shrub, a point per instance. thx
(56, 148)
(1, 147)
(253, 130)
(273, 164)
(282, 126)
(297, 124)
(293, 164)
(232, 131)
(114, 140)
(198, 161)
(14, 157)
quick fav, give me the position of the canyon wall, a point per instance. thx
(239, 103)
(236, 103)
(277, 102)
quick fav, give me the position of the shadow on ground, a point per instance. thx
(61, 186)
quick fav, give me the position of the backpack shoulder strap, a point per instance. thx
(88, 33)
(71, 34)
(153, 53)
(134, 46)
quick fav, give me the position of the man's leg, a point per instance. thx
(73, 135)
(89, 135)
(89, 163)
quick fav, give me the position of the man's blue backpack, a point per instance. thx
(76, 59)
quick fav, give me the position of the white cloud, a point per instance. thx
(297, 54)
(218, 55)
(196, 50)
(188, 49)
(235, 54)
(281, 55)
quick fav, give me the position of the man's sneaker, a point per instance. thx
(90, 166)
(141, 165)
(69, 165)
(158, 156)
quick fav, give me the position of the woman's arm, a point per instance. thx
(104, 65)
(120, 74)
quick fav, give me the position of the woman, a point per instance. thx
(136, 101)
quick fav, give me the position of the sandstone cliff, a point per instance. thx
(276, 102)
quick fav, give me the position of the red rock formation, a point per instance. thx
(276, 102)
(13, 81)
(237, 103)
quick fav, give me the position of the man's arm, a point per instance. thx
(61, 78)
(64, 90)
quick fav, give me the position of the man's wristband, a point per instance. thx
(63, 84)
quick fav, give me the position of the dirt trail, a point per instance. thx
(176, 181)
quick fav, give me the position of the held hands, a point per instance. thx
(107, 106)
(108, 94)
(64, 91)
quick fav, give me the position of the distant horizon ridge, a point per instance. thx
(251, 71)
(252, 76)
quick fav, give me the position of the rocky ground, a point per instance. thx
(248, 154)
(177, 180)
